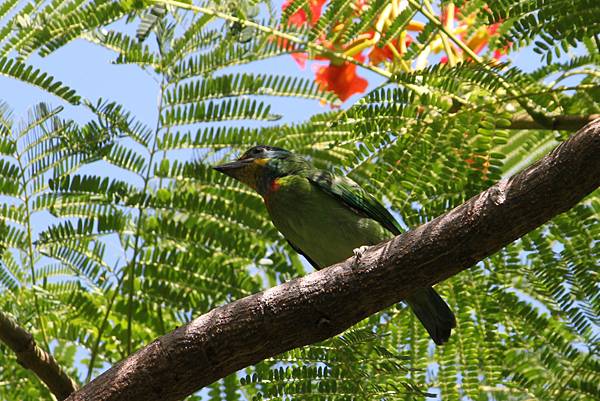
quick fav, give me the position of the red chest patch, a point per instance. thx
(274, 187)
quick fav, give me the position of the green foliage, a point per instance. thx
(26, 73)
(36, 290)
(114, 231)
(367, 19)
(398, 25)
(553, 26)
(149, 21)
(61, 21)
(231, 85)
(328, 370)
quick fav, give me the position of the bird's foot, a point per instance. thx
(360, 251)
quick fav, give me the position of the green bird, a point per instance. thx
(325, 218)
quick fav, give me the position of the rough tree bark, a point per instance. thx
(566, 122)
(32, 357)
(327, 302)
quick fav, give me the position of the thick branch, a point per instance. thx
(32, 357)
(560, 123)
(325, 303)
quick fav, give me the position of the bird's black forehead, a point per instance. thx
(261, 150)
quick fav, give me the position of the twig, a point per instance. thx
(559, 123)
(32, 357)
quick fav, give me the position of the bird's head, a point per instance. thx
(260, 165)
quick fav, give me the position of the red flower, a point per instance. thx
(499, 53)
(341, 79)
(361, 5)
(300, 59)
(492, 29)
(379, 55)
(449, 15)
(300, 18)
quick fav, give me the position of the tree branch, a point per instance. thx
(560, 123)
(32, 357)
(325, 303)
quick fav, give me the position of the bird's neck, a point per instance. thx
(267, 183)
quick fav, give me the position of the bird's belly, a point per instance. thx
(324, 229)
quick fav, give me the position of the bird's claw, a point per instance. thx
(360, 251)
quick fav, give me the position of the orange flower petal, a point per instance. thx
(300, 59)
(299, 18)
(415, 26)
(340, 79)
(378, 55)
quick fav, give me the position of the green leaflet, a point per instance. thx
(545, 24)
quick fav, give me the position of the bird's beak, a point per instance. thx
(234, 168)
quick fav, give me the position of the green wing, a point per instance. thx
(356, 198)
(312, 262)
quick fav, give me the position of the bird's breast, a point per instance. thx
(324, 228)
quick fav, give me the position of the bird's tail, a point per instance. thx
(434, 313)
